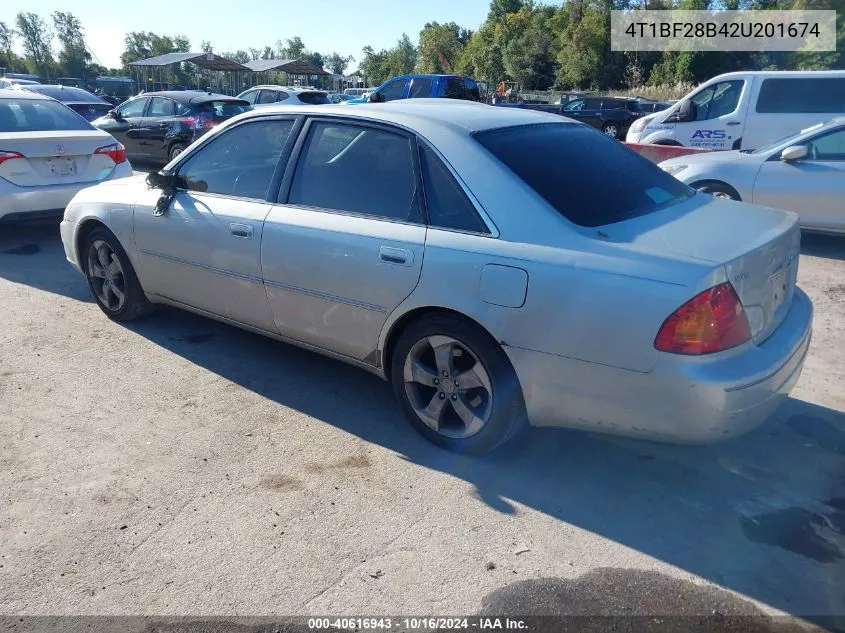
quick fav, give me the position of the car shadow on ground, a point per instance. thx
(753, 514)
(763, 515)
(823, 245)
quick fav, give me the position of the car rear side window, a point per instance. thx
(357, 169)
(420, 88)
(239, 162)
(447, 205)
(38, 115)
(267, 96)
(159, 106)
(812, 95)
(568, 165)
(314, 98)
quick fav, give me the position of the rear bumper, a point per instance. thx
(683, 399)
(28, 203)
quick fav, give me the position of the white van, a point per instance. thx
(745, 110)
(356, 92)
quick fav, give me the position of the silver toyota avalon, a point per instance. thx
(499, 267)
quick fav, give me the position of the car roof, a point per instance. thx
(65, 94)
(292, 89)
(192, 97)
(17, 93)
(454, 114)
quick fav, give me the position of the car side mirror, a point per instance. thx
(794, 152)
(375, 97)
(114, 114)
(159, 180)
(687, 111)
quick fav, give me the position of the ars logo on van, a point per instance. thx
(711, 134)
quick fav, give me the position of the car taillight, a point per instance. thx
(712, 321)
(4, 156)
(199, 123)
(115, 151)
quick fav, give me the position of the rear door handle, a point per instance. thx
(241, 230)
(733, 123)
(398, 256)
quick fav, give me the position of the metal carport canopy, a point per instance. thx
(289, 66)
(209, 61)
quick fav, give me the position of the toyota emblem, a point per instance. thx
(60, 149)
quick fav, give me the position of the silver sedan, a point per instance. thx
(804, 173)
(477, 258)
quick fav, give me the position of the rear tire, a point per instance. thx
(111, 278)
(612, 129)
(456, 385)
(718, 190)
(175, 150)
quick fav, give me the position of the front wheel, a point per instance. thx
(175, 150)
(456, 385)
(112, 279)
(718, 190)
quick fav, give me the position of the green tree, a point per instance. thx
(292, 48)
(337, 63)
(440, 47)
(528, 56)
(402, 58)
(374, 65)
(37, 40)
(8, 59)
(73, 56)
(206, 46)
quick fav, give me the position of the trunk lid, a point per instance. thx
(54, 158)
(757, 246)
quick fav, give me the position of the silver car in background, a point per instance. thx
(478, 258)
(804, 173)
(47, 154)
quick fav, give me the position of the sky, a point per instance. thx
(345, 26)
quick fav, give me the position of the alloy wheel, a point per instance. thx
(611, 131)
(106, 276)
(448, 386)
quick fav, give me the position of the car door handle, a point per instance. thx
(733, 123)
(164, 125)
(399, 256)
(241, 230)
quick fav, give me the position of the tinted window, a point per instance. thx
(65, 93)
(830, 146)
(160, 107)
(90, 111)
(314, 98)
(804, 96)
(612, 104)
(592, 104)
(472, 90)
(717, 100)
(456, 88)
(38, 115)
(568, 166)
(239, 162)
(357, 169)
(180, 108)
(420, 88)
(249, 97)
(221, 109)
(445, 201)
(394, 90)
(574, 106)
(267, 96)
(282, 96)
(133, 108)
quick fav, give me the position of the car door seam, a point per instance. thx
(323, 295)
(186, 262)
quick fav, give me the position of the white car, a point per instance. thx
(47, 154)
(804, 173)
(285, 95)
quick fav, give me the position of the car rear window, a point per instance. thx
(589, 178)
(314, 98)
(38, 115)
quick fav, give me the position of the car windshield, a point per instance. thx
(66, 94)
(568, 165)
(785, 139)
(38, 115)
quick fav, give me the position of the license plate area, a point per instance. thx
(779, 284)
(61, 166)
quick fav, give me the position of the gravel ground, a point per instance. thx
(181, 466)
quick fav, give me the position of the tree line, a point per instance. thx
(539, 46)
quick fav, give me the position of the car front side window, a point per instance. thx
(394, 90)
(717, 100)
(827, 147)
(240, 162)
(134, 108)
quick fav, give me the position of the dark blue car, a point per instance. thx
(423, 86)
